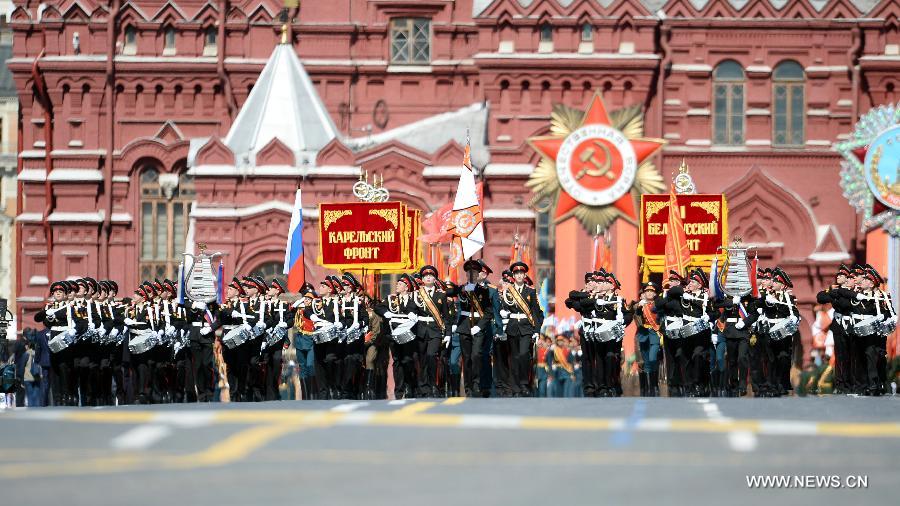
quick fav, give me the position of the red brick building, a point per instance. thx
(135, 119)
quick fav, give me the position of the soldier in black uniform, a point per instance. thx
(839, 296)
(673, 352)
(201, 317)
(519, 303)
(355, 322)
(56, 316)
(873, 319)
(279, 316)
(432, 328)
(472, 324)
(141, 317)
(688, 312)
(736, 319)
(400, 316)
(578, 301)
(778, 306)
(502, 357)
(610, 309)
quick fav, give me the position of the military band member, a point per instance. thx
(451, 360)
(355, 323)
(279, 316)
(874, 319)
(688, 312)
(840, 295)
(432, 329)
(400, 314)
(779, 318)
(201, 318)
(230, 318)
(304, 330)
(57, 317)
(735, 321)
(649, 337)
(519, 303)
(578, 301)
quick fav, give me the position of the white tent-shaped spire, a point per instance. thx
(282, 104)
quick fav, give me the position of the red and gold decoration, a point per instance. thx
(595, 164)
(369, 235)
(704, 220)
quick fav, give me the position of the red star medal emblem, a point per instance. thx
(596, 163)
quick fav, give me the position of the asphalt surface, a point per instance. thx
(456, 451)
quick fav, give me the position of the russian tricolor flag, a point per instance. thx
(293, 255)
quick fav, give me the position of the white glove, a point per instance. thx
(160, 332)
(282, 325)
(338, 325)
(205, 330)
(504, 313)
(198, 305)
(388, 314)
(534, 337)
(739, 325)
(687, 296)
(500, 337)
(453, 328)
(705, 317)
(130, 322)
(354, 326)
(860, 296)
(260, 324)
(715, 339)
(642, 302)
(70, 333)
(446, 341)
(237, 314)
(470, 287)
(413, 317)
(170, 331)
(296, 304)
(114, 332)
(476, 329)
(773, 300)
(246, 327)
(736, 300)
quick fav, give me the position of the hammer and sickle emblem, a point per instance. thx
(599, 168)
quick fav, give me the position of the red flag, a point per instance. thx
(526, 254)
(602, 254)
(678, 256)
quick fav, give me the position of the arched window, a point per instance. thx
(210, 41)
(130, 40)
(728, 104)
(169, 40)
(165, 203)
(789, 106)
(587, 32)
(270, 271)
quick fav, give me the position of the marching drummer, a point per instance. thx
(687, 314)
(781, 316)
(873, 320)
(355, 321)
(399, 311)
(278, 317)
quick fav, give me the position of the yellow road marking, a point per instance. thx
(415, 415)
(414, 408)
(454, 401)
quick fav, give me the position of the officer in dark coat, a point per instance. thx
(839, 295)
(203, 324)
(472, 324)
(433, 327)
(519, 303)
(736, 320)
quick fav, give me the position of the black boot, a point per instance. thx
(369, 393)
(653, 384)
(644, 383)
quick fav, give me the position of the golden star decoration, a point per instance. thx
(595, 164)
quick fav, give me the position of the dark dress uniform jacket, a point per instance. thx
(482, 294)
(431, 329)
(523, 327)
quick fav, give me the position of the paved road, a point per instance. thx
(454, 451)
